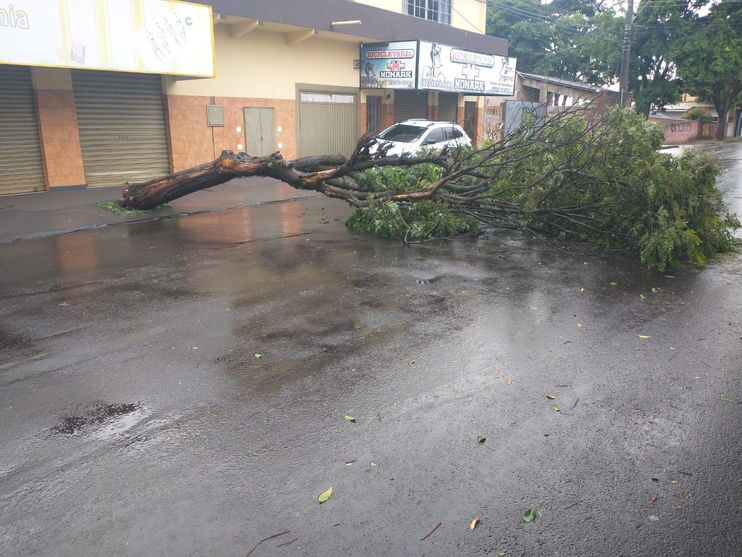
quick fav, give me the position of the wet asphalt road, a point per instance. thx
(137, 419)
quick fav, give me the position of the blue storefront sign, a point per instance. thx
(389, 65)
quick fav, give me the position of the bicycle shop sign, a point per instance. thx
(433, 66)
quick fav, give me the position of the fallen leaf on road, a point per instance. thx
(502, 554)
(509, 382)
(374, 465)
(412, 362)
(349, 462)
(579, 324)
(582, 289)
(653, 498)
(642, 296)
(644, 337)
(529, 515)
(474, 523)
(655, 479)
(725, 399)
(550, 397)
(481, 440)
(555, 407)
(324, 496)
(350, 418)
(613, 283)
(258, 355)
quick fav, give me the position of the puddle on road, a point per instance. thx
(105, 419)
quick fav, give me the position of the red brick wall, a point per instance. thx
(60, 141)
(193, 142)
(679, 131)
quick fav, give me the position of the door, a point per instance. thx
(410, 104)
(448, 107)
(373, 114)
(328, 123)
(121, 120)
(21, 163)
(260, 131)
(470, 120)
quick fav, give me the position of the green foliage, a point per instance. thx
(395, 178)
(608, 185)
(418, 221)
(665, 208)
(700, 114)
(116, 208)
(710, 59)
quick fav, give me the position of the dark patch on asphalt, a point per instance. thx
(99, 414)
(14, 341)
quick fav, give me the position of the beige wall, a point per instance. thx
(470, 15)
(261, 64)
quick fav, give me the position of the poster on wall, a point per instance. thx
(447, 68)
(389, 65)
(144, 36)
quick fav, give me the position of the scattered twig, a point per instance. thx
(572, 505)
(684, 473)
(287, 543)
(575, 404)
(426, 536)
(265, 540)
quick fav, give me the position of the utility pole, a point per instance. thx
(626, 55)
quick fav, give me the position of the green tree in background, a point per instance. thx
(660, 27)
(581, 40)
(710, 60)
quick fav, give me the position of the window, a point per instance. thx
(327, 98)
(433, 10)
(436, 136)
(453, 133)
(404, 133)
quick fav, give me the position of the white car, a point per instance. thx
(412, 135)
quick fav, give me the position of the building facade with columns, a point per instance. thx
(101, 92)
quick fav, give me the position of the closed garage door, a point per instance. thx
(328, 123)
(448, 107)
(122, 127)
(21, 163)
(410, 104)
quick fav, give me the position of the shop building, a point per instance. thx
(100, 92)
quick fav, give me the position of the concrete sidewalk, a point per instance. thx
(61, 211)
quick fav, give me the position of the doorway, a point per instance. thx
(260, 131)
(470, 120)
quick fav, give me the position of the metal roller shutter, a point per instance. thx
(21, 163)
(122, 127)
(448, 107)
(328, 123)
(410, 104)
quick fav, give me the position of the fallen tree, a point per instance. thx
(597, 179)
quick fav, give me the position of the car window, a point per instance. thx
(453, 133)
(436, 136)
(404, 133)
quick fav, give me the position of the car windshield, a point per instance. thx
(404, 133)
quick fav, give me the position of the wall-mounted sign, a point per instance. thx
(143, 36)
(447, 68)
(389, 65)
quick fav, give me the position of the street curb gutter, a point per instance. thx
(146, 218)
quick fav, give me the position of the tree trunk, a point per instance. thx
(327, 174)
(722, 109)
